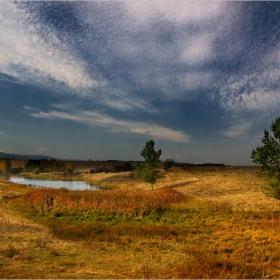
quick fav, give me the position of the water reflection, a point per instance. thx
(71, 185)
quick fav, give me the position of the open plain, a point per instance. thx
(215, 222)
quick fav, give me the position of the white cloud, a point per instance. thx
(123, 100)
(113, 125)
(198, 49)
(175, 11)
(237, 130)
(178, 38)
(250, 93)
(194, 80)
(33, 52)
(5, 151)
(43, 150)
(254, 91)
(29, 50)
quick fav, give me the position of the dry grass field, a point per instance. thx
(239, 186)
(224, 227)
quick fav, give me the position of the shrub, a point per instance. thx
(69, 167)
(168, 163)
(99, 170)
(5, 166)
(36, 171)
(127, 166)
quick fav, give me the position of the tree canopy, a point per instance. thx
(268, 156)
(148, 171)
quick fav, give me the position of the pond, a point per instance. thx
(71, 185)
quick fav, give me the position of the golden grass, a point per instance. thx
(226, 228)
(122, 202)
(239, 186)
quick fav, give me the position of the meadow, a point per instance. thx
(199, 222)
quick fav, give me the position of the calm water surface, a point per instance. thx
(71, 185)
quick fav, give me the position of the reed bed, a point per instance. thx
(120, 202)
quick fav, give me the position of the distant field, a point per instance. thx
(239, 186)
(200, 222)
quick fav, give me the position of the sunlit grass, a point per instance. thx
(205, 233)
(119, 202)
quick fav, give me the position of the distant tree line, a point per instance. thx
(211, 164)
(127, 166)
(41, 165)
(44, 165)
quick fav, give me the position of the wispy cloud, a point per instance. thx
(198, 49)
(175, 11)
(251, 96)
(29, 49)
(123, 60)
(124, 55)
(237, 130)
(111, 124)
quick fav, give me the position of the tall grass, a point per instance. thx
(191, 238)
(119, 202)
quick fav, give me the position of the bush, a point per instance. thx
(127, 166)
(5, 166)
(69, 167)
(168, 163)
(99, 170)
(37, 171)
(117, 168)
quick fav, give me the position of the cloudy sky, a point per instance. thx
(98, 79)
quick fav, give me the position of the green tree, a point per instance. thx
(32, 164)
(5, 166)
(148, 171)
(268, 156)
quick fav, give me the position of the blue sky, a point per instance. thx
(98, 79)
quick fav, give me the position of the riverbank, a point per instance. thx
(224, 228)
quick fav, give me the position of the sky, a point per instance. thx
(96, 80)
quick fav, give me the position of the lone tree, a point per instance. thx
(268, 156)
(148, 171)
